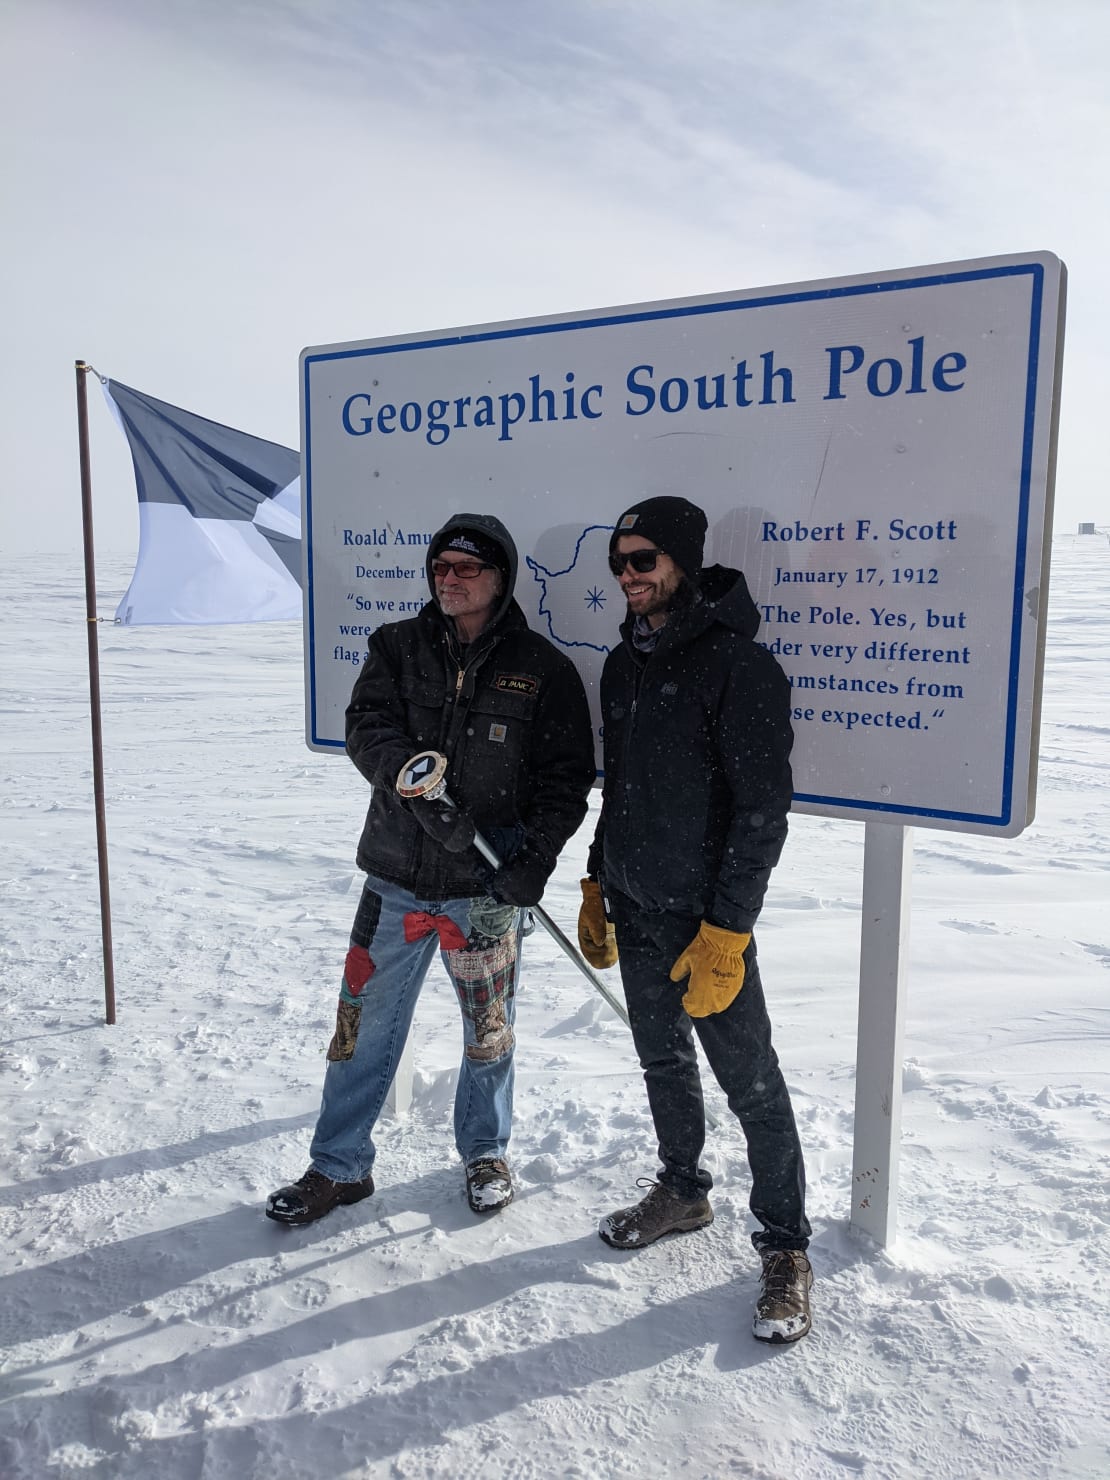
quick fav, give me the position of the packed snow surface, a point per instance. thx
(155, 1323)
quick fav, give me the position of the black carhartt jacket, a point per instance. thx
(511, 716)
(697, 761)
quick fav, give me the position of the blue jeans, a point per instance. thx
(392, 944)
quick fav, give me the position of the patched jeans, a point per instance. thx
(737, 1044)
(392, 944)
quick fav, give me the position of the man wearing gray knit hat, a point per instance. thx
(694, 813)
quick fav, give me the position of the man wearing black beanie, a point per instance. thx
(694, 814)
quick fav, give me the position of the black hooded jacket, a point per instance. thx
(697, 760)
(511, 716)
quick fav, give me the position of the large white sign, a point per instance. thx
(875, 453)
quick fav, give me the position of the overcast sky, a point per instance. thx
(194, 190)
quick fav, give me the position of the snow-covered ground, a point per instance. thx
(156, 1324)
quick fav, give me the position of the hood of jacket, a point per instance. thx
(490, 526)
(721, 595)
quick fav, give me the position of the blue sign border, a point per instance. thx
(1033, 270)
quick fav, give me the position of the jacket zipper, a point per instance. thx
(637, 680)
(476, 660)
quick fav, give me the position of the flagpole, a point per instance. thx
(94, 693)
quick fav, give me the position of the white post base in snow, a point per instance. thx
(884, 937)
(399, 1095)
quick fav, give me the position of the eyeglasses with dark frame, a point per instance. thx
(641, 561)
(466, 570)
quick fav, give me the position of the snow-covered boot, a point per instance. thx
(313, 1195)
(782, 1310)
(660, 1212)
(489, 1184)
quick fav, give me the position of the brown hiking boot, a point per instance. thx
(782, 1310)
(658, 1213)
(489, 1184)
(312, 1196)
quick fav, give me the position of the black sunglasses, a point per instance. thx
(641, 561)
(466, 570)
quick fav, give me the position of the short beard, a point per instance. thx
(666, 600)
(495, 600)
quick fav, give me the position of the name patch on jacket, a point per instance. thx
(517, 683)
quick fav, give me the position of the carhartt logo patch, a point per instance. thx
(498, 733)
(628, 522)
(516, 683)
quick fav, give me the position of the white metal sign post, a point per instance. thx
(874, 452)
(884, 941)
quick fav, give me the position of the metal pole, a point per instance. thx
(94, 694)
(555, 933)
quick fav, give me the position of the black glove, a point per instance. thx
(521, 881)
(505, 841)
(451, 828)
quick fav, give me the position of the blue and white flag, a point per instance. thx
(219, 518)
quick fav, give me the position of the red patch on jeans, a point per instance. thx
(357, 969)
(418, 924)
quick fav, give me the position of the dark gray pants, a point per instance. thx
(737, 1045)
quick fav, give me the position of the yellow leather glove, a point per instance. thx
(714, 961)
(596, 937)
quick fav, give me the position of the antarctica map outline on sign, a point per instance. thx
(574, 614)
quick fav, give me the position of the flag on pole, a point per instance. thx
(219, 518)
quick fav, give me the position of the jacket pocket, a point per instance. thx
(490, 756)
(424, 700)
(504, 702)
(497, 727)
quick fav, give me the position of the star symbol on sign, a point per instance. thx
(596, 599)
